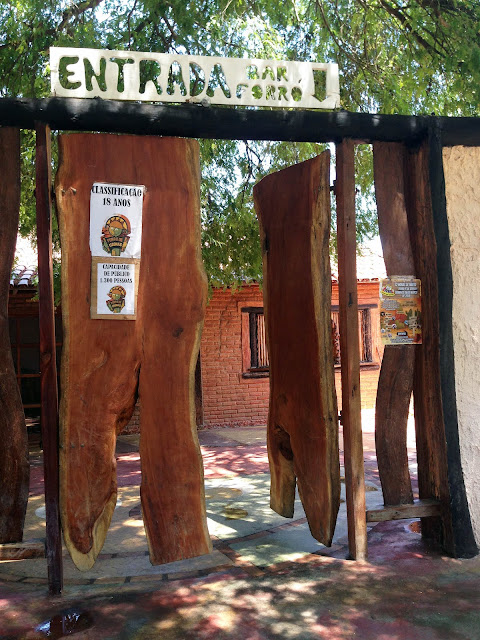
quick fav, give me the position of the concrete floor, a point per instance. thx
(266, 578)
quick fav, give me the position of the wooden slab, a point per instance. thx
(293, 208)
(429, 421)
(418, 509)
(103, 360)
(169, 328)
(14, 467)
(395, 383)
(350, 350)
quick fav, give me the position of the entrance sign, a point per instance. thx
(164, 77)
(400, 310)
(115, 245)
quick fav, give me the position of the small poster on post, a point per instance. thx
(400, 310)
(114, 289)
(116, 220)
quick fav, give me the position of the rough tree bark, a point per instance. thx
(14, 466)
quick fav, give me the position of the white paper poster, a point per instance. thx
(116, 289)
(116, 220)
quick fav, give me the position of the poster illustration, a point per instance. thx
(116, 220)
(114, 289)
(400, 310)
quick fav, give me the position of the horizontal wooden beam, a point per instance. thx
(34, 548)
(227, 123)
(419, 509)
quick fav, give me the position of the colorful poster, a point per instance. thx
(116, 220)
(400, 310)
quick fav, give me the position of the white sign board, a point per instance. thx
(116, 220)
(162, 77)
(116, 288)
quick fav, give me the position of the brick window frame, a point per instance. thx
(366, 337)
(253, 330)
(367, 345)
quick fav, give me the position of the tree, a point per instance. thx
(410, 57)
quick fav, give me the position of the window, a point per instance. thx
(258, 341)
(255, 354)
(254, 343)
(364, 335)
(24, 341)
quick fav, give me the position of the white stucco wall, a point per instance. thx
(462, 178)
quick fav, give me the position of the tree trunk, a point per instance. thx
(14, 466)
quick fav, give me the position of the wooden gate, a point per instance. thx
(294, 214)
(423, 230)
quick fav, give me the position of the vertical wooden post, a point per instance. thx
(48, 367)
(349, 350)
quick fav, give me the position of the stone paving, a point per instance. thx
(266, 578)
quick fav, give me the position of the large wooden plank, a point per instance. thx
(104, 362)
(14, 467)
(395, 383)
(429, 420)
(293, 208)
(350, 351)
(48, 363)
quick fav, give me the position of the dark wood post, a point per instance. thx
(48, 366)
(350, 351)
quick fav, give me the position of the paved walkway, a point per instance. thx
(266, 578)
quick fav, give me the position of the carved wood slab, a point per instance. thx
(106, 364)
(293, 208)
(395, 383)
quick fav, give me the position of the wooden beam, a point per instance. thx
(48, 366)
(350, 351)
(419, 509)
(23, 550)
(197, 121)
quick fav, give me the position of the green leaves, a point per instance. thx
(395, 56)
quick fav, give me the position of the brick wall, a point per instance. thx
(230, 398)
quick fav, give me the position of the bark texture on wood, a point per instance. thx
(48, 363)
(14, 466)
(429, 420)
(350, 351)
(105, 364)
(293, 208)
(395, 383)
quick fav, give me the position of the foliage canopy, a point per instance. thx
(395, 56)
